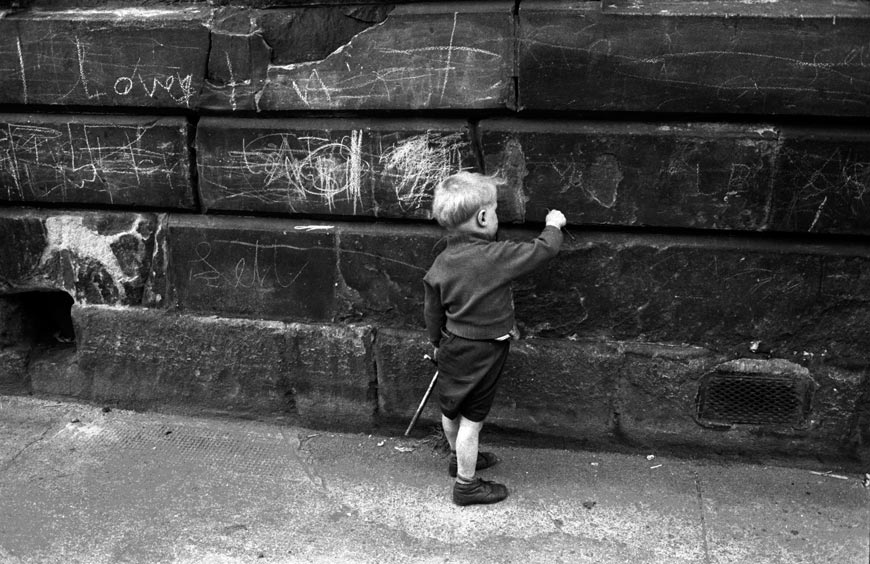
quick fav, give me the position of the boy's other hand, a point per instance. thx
(556, 219)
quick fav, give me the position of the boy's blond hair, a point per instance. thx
(459, 196)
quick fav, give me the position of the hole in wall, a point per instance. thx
(44, 317)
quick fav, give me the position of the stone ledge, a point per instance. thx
(629, 393)
(321, 374)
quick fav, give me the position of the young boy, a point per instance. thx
(470, 318)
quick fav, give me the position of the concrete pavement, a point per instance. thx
(80, 484)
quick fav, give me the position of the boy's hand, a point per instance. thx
(556, 219)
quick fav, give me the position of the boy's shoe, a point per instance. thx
(478, 491)
(484, 460)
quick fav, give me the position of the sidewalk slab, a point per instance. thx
(90, 485)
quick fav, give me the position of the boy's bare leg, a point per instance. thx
(466, 447)
(451, 428)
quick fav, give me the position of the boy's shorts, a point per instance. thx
(468, 375)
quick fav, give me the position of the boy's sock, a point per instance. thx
(464, 481)
(484, 460)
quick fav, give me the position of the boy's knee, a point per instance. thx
(465, 423)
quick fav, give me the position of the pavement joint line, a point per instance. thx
(295, 446)
(9, 463)
(700, 496)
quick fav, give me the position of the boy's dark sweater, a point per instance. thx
(468, 287)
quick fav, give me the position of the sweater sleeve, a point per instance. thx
(434, 314)
(524, 257)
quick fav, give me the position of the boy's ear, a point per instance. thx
(481, 217)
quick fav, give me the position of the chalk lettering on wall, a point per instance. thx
(78, 67)
(52, 163)
(257, 265)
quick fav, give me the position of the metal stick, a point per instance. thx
(423, 401)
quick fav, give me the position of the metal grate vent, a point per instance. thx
(754, 399)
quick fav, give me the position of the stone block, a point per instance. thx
(148, 358)
(54, 371)
(421, 57)
(152, 57)
(245, 266)
(238, 57)
(382, 271)
(106, 160)
(96, 257)
(15, 327)
(710, 176)
(822, 180)
(403, 375)
(659, 393)
(557, 388)
(723, 294)
(13, 368)
(379, 168)
(801, 57)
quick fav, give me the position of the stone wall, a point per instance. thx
(236, 196)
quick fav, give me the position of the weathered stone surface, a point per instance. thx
(264, 268)
(13, 368)
(720, 293)
(15, 327)
(712, 176)
(346, 167)
(725, 57)
(423, 56)
(558, 388)
(110, 160)
(658, 393)
(382, 272)
(149, 358)
(237, 60)
(98, 258)
(56, 372)
(638, 393)
(823, 180)
(154, 57)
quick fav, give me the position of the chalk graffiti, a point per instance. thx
(95, 71)
(304, 171)
(51, 162)
(259, 267)
(452, 63)
(415, 165)
(841, 176)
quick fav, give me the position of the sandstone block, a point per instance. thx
(245, 266)
(726, 57)
(660, 402)
(423, 56)
(711, 176)
(13, 368)
(724, 294)
(146, 358)
(152, 57)
(98, 258)
(379, 168)
(823, 181)
(558, 388)
(107, 160)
